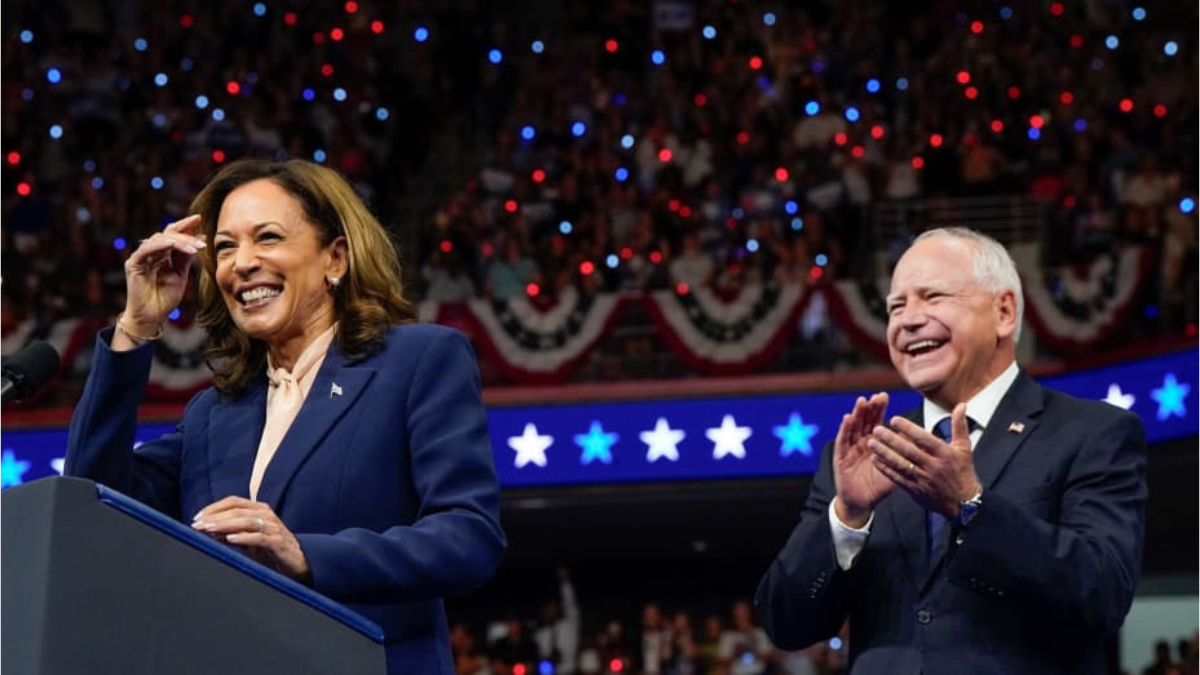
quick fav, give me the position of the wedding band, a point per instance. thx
(261, 524)
(908, 471)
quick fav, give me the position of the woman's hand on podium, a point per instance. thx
(254, 527)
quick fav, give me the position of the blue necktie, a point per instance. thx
(936, 520)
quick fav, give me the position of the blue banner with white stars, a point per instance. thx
(705, 438)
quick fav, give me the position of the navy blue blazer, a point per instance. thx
(1045, 572)
(386, 477)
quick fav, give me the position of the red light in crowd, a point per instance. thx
(611, 46)
(918, 162)
(664, 155)
(700, 100)
(681, 288)
(1076, 41)
(1069, 201)
(187, 21)
(519, 669)
(538, 176)
(24, 189)
(289, 19)
(1014, 92)
(1160, 110)
(532, 290)
(626, 253)
(337, 34)
(877, 131)
(510, 205)
(586, 267)
(1036, 121)
(840, 138)
(318, 38)
(616, 665)
(233, 88)
(351, 7)
(1056, 8)
(685, 212)
(858, 151)
(997, 126)
(1191, 330)
(673, 205)
(977, 27)
(488, 249)
(327, 69)
(1126, 105)
(743, 137)
(815, 273)
(971, 93)
(1066, 98)
(14, 158)
(756, 62)
(218, 156)
(963, 77)
(655, 257)
(781, 174)
(935, 140)
(377, 27)
(446, 246)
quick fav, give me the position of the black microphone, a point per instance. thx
(27, 371)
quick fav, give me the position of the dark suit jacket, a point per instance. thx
(1045, 571)
(388, 485)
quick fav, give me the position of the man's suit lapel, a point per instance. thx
(334, 392)
(234, 429)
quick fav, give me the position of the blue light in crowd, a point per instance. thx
(1150, 312)
(545, 668)
(1139, 13)
(812, 108)
(174, 315)
(97, 183)
(1187, 204)
(738, 213)
(83, 215)
(769, 18)
(818, 66)
(612, 261)
(565, 227)
(1006, 12)
(1034, 133)
(627, 141)
(821, 260)
(339, 94)
(308, 94)
(495, 56)
(218, 115)
(89, 165)
(621, 174)
(578, 129)
(657, 57)
(791, 207)
(260, 9)
(851, 114)
(53, 75)
(1080, 125)
(26, 36)
(252, 77)
(319, 156)
(902, 83)
(140, 44)
(873, 85)
(709, 32)
(187, 65)
(56, 131)
(1097, 63)
(538, 46)
(26, 94)
(619, 98)
(1112, 42)
(201, 102)
(382, 114)
(156, 183)
(797, 224)
(119, 243)
(124, 83)
(528, 133)
(161, 79)
(421, 34)
(159, 121)
(835, 643)
(752, 245)
(1171, 49)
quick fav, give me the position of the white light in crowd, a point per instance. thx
(627, 141)
(565, 227)
(89, 165)
(421, 34)
(902, 83)
(83, 215)
(538, 46)
(797, 224)
(769, 18)
(1112, 42)
(821, 260)
(53, 75)
(260, 9)
(140, 44)
(752, 245)
(218, 115)
(835, 643)
(319, 156)
(156, 182)
(1171, 49)
(382, 114)
(159, 120)
(201, 101)
(339, 94)
(97, 183)
(612, 261)
(709, 32)
(26, 36)
(1139, 13)
(161, 79)
(56, 131)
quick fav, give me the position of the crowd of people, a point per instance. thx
(619, 146)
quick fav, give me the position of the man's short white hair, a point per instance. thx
(995, 271)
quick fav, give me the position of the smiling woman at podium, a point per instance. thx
(342, 444)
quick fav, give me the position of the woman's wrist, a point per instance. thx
(136, 334)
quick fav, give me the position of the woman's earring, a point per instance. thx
(332, 282)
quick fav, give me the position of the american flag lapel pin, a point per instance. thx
(1016, 427)
(335, 390)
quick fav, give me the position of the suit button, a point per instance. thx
(923, 616)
